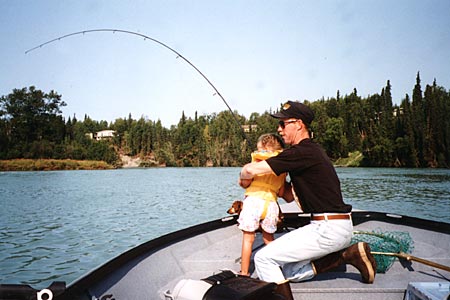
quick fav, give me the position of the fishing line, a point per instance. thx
(179, 55)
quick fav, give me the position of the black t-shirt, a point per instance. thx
(313, 176)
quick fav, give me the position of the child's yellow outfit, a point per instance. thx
(260, 203)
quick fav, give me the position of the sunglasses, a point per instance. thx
(283, 124)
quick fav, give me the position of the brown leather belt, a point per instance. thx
(322, 217)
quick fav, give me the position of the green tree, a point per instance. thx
(334, 139)
(31, 116)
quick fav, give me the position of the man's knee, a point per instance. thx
(262, 257)
(259, 258)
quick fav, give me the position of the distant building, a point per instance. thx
(101, 135)
(104, 134)
(249, 128)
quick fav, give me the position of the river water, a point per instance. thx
(59, 225)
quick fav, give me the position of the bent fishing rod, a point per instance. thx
(216, 92)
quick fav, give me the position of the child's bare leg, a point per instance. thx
(267, 237)
(247, 242)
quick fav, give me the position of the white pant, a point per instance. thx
(296, 249)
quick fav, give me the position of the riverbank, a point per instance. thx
(23, 164)
(52, 165)
(353, 160)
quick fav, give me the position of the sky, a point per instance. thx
(257, 54)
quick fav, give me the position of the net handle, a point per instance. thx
(410, 257)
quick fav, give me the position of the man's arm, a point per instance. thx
(251, 170)
(256, 168)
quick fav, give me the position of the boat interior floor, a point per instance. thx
(206, 254)
(219, 251)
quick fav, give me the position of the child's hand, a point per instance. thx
(244, 182)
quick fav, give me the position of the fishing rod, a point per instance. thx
(216, 91)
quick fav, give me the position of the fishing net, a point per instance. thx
(384, 242)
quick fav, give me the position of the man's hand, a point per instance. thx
(286, 192)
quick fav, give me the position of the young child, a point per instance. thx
(260, 202)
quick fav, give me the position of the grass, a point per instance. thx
(353, 160)
(52, 165)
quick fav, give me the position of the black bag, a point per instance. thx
(228, 286)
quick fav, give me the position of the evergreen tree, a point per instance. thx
(418, 118)
(430, 128)
(405, 150)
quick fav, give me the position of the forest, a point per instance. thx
(413, 134)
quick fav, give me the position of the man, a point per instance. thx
(318, 246)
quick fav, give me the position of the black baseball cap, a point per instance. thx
(296, 110)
